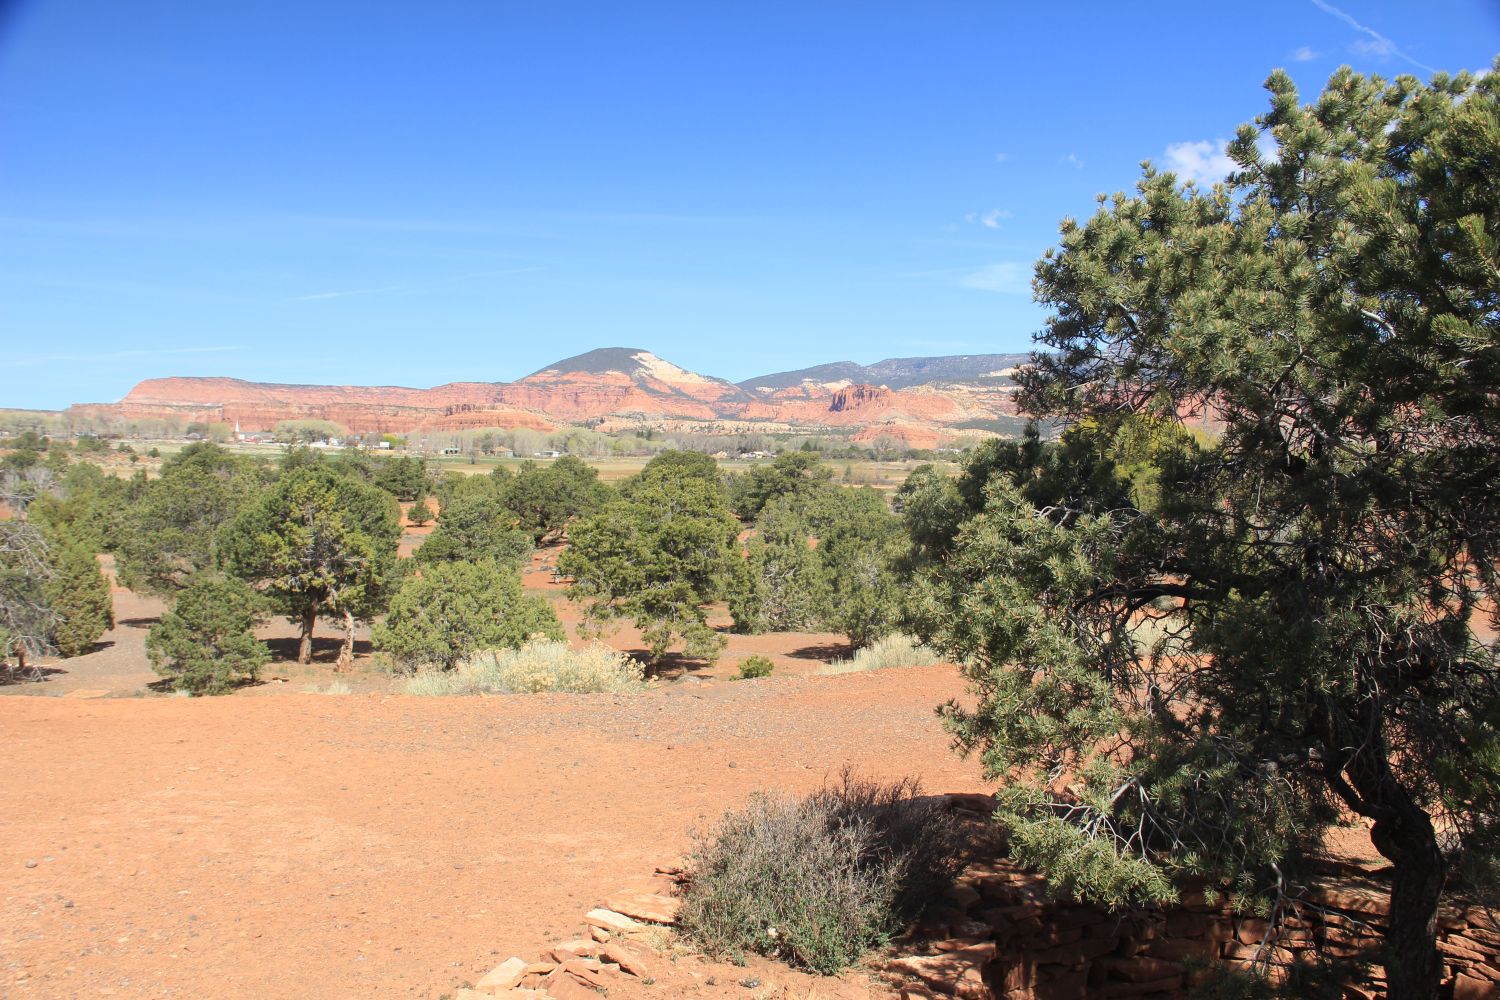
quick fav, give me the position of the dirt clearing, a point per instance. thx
(371, 845)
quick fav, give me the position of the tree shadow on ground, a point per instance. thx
(670, 667)
(325, 650)
(168, 685)
(139, 622)
(825, 651)
(31, 675)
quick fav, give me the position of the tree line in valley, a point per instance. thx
(314, 536)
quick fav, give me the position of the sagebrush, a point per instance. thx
(892, 651)
(541, 665)
(818, 881)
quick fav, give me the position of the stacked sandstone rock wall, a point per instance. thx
(1002, 936)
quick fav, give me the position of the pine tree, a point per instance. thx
(419, 513)
(1278, 623)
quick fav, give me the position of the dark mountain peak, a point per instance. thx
(599, 361)
(899, 373)
(835, 371)
(895, 373)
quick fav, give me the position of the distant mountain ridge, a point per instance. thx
(596, 362)
(919, 401)
(894, 373)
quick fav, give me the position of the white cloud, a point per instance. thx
(1305, 54)
(1011, 277)
(1374, 44)
(989, 220)
(1001, 157)
(1074, 159)
(1203, 162)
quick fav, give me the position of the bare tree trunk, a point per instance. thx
(346, 653)
(1414, 969)
(1404, 835)
(305, 647)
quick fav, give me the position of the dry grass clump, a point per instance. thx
(892, 651)
(821, 880)
(539, 666)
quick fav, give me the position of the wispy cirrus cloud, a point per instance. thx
(1305, 54)
(1373, 44)
(1202, 162)
(1073, 159)
(409, 286)
(111, 357)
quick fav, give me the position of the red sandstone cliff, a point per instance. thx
(620, 383)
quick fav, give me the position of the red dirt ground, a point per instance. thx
(371, 845)
(382, 845)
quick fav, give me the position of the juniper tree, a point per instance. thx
(544, 498)
(167, 533)
(474, 525)
(404, 477)
(822, 557)
(206, 644)
(659, 554)
(78, 596)
(1314, 575)
(794, 473)
(455, 609)
(859, 542)
(317, 543)
(419, 513)
(88, 506)
(781, 585)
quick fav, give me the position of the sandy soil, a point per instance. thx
(369, 845)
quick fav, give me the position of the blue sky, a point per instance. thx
(382, 193)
